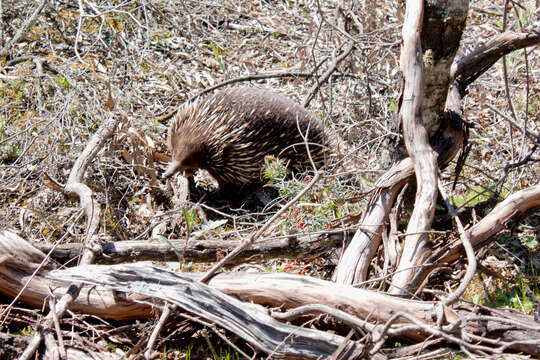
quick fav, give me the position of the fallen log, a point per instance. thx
(128, 292)
(20, 261)
(295, 246)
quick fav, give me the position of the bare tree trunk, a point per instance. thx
(440, 38)
(443, 24)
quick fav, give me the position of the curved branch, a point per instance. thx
(419, 149)
(511, 208)
(468, 68)
(75, 186)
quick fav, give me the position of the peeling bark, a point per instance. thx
(443, 24)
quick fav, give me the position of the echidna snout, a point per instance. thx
(186, 157)
(172, 169)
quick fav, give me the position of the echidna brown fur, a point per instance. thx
(231, 132)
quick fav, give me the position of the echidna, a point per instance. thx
(230, 133)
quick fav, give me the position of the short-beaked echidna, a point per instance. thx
(230, 133)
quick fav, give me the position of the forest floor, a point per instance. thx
(154, 56)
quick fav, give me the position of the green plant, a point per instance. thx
(217, 55)
(473, 196)
(275, 170)
(192, 219)
(530, 242)
(171, 245)
(315, 210)
(207, 226)
(62, 82)
(509, 241)
(228, 354)
(515, 297)
(28, 330)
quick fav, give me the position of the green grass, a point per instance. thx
(28, 330)
(514, 298)
(474, 196)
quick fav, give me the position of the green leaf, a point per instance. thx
(530, 242)
(217, 55)
(168, 242)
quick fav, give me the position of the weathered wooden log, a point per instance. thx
(134, 290)
(23, 269)
(296, 246)
(20, 260)
(249, 321)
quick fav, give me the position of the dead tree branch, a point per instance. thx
(467, 69)
(327, 73)
(507, 211)
(293, 246)
(271, 289)
(249, 321)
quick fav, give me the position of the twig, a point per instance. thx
(342, 347)
(469, 251)
(75, 186)
(430, 330)
(215, 330)
(327, 74)
(205, 335)
(78, 34)
(311, 309)
(527, 88)
(62, 348)
(507, 87)
(251, 78)
(23, 30)
(157, 329)
(315, 40)
(526, 132)
(1, 24)
(32, 346)
(391, 245)
(50, 344)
